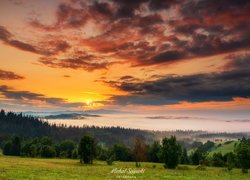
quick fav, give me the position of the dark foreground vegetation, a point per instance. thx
(42, 140)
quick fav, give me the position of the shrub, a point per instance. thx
(74, 154)
(87, 150)
(47, 151)
(201, 167)
(243, 155)
(171, 152)
(183, 168)
(198, 156)
(217, 160)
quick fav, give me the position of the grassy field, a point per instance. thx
(224, 148)
(34, 168)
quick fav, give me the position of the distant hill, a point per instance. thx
(71, 116)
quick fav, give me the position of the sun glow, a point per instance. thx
(88, 102)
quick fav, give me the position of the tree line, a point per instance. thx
(168, 151)
(29, 126)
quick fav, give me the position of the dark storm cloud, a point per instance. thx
(103, 8)
(27, 96)
(170, 56)
(238, 62)
(141, 99)
(220, 86)
(201, 46)
(126, 8)
(8, 75)
(213, 6)
(161, 4)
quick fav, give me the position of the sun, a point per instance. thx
(88, 102)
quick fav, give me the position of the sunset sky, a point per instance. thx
(125, 55)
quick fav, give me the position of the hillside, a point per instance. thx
(224, 148)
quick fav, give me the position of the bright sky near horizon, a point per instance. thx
(135, 56)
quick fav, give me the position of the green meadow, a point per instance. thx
(35, 168)
(224, 148)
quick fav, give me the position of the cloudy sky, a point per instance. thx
(127, 55)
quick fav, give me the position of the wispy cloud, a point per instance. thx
(9, 75)
(27, 97)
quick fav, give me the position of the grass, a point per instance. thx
(224, 148)
(45, 169)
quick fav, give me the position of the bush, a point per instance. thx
(183, 168)
(110, 160)
(13, 148)
(243, 155)
(63, 154)
(121, 153)
(87, 150)
(154, 152)
(7, 148)
(217, 160)
(198, 156)
(201, 167)
(74, 154)
(102, 153)
(66, 147)
(230, 159)
(137, 164)
(171, 152)
(47, 151)
(243, 170)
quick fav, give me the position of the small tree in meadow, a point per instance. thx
(139, 151)
(13, 148)
(87, 149)
(47, 151)
(171, 152)
(66, 147)
(155, 152)
(74, 154)
(198, 156)
(184, 157)
(217, 160)
(230, 159)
